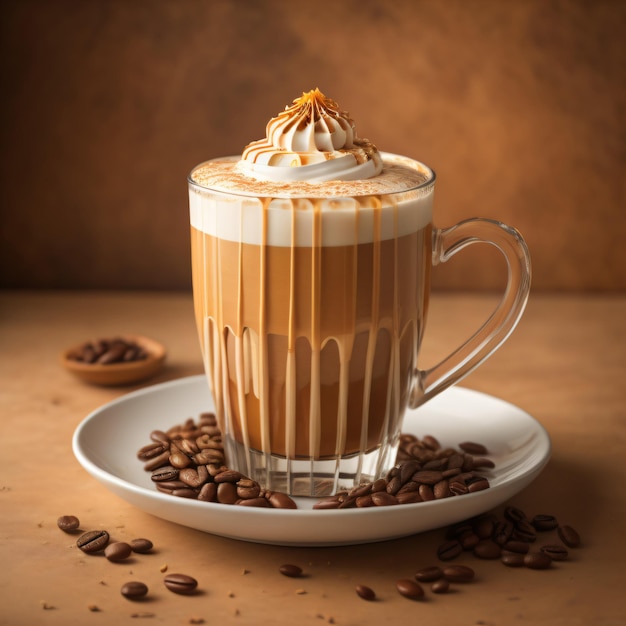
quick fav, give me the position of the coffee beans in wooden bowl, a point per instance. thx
(115, 361)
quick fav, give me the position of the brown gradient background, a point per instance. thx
(519, 106)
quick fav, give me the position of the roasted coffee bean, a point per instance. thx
(487, 549)
(364, 502)
(442, 490)
(440, 586)
(482, 463)
(478, 484)
(556, 552)
(290, 570)
(152, 450)
(569, 536)
(68, 523)
(514, 514)
(524, 531)
(431, 443)
(208, 492)
(407, 470)
(229, 476)
(141, 545)
(247, 489)
(349, 502)
(410, 589)
(93, 541)
(537, 560)
(117, 551)
(483, 527)
(512, 559)
(502, 532)
(134, 590)
(458, 488)
(449, 550)
(367, 593)
(469, 540)
(426, 493)
(382, 498)
(544, 522)
(393, 486)
(473, 448)
(520, 547)
(427, 477)
(379, 485)
(280, 500)
(429, 574)
(227, 493)
(179, 460)
(259, 502)
(158, 461)
(194, 477)
(180, 583)
(458, 573)
(169, 486)
(165, 473)
(409, 497)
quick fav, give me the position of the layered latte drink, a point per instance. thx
(311, 257)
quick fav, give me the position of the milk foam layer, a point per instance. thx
(311, 140)
(226, 204)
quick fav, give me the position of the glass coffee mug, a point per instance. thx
(311, 312)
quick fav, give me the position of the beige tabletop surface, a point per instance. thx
(565, 365)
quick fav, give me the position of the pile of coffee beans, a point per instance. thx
(424, 471)
(95, 542)
(514, 538)
(188, 461)
(107, 351)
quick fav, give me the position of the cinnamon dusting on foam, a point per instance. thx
(398, 174)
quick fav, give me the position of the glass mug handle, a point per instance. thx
(490, 336)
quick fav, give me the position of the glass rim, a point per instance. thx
(424, 185)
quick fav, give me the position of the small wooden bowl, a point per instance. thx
(118, 373)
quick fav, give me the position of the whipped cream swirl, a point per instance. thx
(314, 141)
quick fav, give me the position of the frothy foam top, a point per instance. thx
(225, 204)
(312, 140)
(398, 174)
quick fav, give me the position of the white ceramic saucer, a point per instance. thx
(107, 441)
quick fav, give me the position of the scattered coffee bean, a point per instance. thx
(367, 593)
(180, 583)
(440, 586)
(429, 574)
(556, 552)
(68, 523)
(569, 536)
(514, 515)
(544, 522)
(487, 549)
(93, 541)
(458, 573)
(117, 551)
(512, 559)
(141, 545)
(537, 560)
(449, 550)
(290, 570)
(410, 589)
(134, 590)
